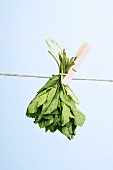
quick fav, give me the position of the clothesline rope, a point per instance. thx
(47, 77)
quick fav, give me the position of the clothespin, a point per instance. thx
(79, 57)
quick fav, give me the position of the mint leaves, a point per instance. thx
(54, 106)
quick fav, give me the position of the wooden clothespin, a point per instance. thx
(79, 57)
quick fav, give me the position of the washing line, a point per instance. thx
(47, 77)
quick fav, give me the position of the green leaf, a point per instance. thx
(32, 107)
(42, 99)
(50, 83)
(51, 127)
(59, 104)
(79, 117)
(44, 91)
(47, 116)
(43, 123)
(74, 128)
(52, 107)
(56, 119)
(70, 99)
(55, 112)
(38, 118)
(70, 130)
(51, 94)
(72, 95)
(64, 130)
(67, 101)
(66, 114)
(33, 115)
(36, 102)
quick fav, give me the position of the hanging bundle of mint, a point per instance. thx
(54, 106)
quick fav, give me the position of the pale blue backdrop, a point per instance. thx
(24, 27)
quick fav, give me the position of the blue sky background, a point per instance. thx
(24, 27)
